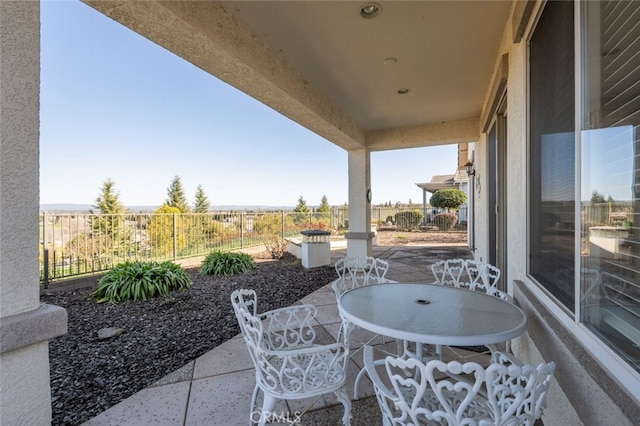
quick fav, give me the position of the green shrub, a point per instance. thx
(136, 280)
(408, 220)
(226, 263)
(268, 224)
(446, 221)
(448, 198)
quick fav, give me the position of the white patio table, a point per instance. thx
(432, 314)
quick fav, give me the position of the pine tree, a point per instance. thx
(324, 206)
(202, 204)
(176, 197)
(597, 198)
(302, 206)
(302, 212)
(110, 221)
(108, 201)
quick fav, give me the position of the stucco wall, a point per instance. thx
(25, 394)
(24, 364)
(19, 132)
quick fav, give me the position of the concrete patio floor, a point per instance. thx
(216, 388)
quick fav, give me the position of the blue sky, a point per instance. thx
(608, 163)
(115, 105)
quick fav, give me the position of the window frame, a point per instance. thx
(623, 372)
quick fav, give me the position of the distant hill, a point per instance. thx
(84, 208)
(65, 207)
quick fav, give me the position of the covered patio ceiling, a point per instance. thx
(341, 75)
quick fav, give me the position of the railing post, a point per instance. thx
(332, 219)
(282, 223)
(242, 229)
(175, 237)
(45, 250)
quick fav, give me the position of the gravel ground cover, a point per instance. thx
(89, 375)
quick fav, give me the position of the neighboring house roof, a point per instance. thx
(461, 176)
(443, 178)
(444, 181)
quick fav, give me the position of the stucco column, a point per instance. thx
(359, 237)
(25, 324)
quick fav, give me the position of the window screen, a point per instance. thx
(552, 152)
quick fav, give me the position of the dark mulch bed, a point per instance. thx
(90, 375)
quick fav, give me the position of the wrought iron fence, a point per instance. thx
(75, 244)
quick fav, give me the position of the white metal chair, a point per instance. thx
(455, 272)
(472, 275)
(412, 392)
(354, 272)
(358, 271)
(484, 277)
(451, 272)
(516, 390)
(288, 362)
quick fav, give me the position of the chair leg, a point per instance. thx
(356, 386)
(252, 410)
(343, 397)
(267, 408)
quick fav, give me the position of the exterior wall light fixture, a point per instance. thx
(471, 171)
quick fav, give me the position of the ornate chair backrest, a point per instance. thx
(289, 328)
(456, 269)
(276, 330)
(273, 331)
(244, 304)
(543, 381)
(455, 398)
(483, 277)
(507, 392)
(378, 271)
(439, 271)
(517, 392)
(358, 271)
(425, 395)
(448, 272)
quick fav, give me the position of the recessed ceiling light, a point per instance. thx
(370, 10)
(403, 91)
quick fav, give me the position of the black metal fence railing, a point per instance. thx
(75, 244)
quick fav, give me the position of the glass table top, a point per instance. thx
(434, 314)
